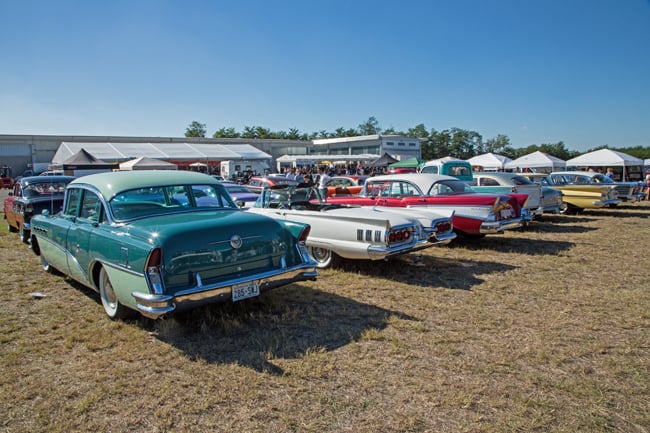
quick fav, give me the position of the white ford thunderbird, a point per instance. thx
(354, 232)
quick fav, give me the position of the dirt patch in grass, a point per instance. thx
(547, 330)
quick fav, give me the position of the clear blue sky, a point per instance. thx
(538, 71)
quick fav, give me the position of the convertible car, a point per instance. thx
(475, 215)
(353, 232)
(161, 241)
(29, 197)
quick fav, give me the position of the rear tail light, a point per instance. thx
(304, 234)
(153, 270)
(443, 227)
(399, 235)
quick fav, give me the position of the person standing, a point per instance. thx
(610, 173)
(323, 178)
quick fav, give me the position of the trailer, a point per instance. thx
(238, 169)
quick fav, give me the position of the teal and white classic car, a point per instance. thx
(161, 241)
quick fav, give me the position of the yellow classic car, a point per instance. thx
(578, 197)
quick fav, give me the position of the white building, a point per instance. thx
(397, 146)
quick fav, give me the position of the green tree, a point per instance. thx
(249, 132)
(418, 131)
(439, 145)
(342, 132)
(196, 129)
(370, 127)
(499, 145)
(226, 133)
(464, 143)
(294, 134)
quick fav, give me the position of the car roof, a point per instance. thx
(45, 179)
(414, 177)
(576, 172)
(497, 173)
(111, 183)
(422, 180)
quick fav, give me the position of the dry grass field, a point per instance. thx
(543, 330)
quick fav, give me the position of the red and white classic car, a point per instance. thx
(476, 214)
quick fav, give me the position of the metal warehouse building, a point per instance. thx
(22, 152)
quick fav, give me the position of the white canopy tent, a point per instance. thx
(604, 157)
(609, 158)
(539, 162)
(165, 151)
(489, 162)
(145, 163)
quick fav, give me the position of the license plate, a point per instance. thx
(245, 290)
(506, 213)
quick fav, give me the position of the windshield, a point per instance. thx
(286, 197)
(141, 202)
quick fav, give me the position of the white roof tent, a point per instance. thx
(611, 158)
(298, 160)
(537, 161)
(121, 152)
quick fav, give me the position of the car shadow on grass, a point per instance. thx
(425, 270)
(620, 212)
(552, 227)
(285, 323)
(520, 245)
(564, 219)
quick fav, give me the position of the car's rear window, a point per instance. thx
(140, 202)
(44, 189)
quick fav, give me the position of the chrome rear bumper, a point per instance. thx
(154, 306)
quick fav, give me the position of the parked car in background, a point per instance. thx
(52, 173)
(626, 191)
(475, 214)
(580, 196)
(162, 241)
(345, 185)
(257, 183)
(400, 170)
(449, 166)
(29, 197)
(345, 232)
(506, 183)
(241, 194)
(552, 198)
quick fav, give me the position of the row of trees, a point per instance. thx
(456, 142)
